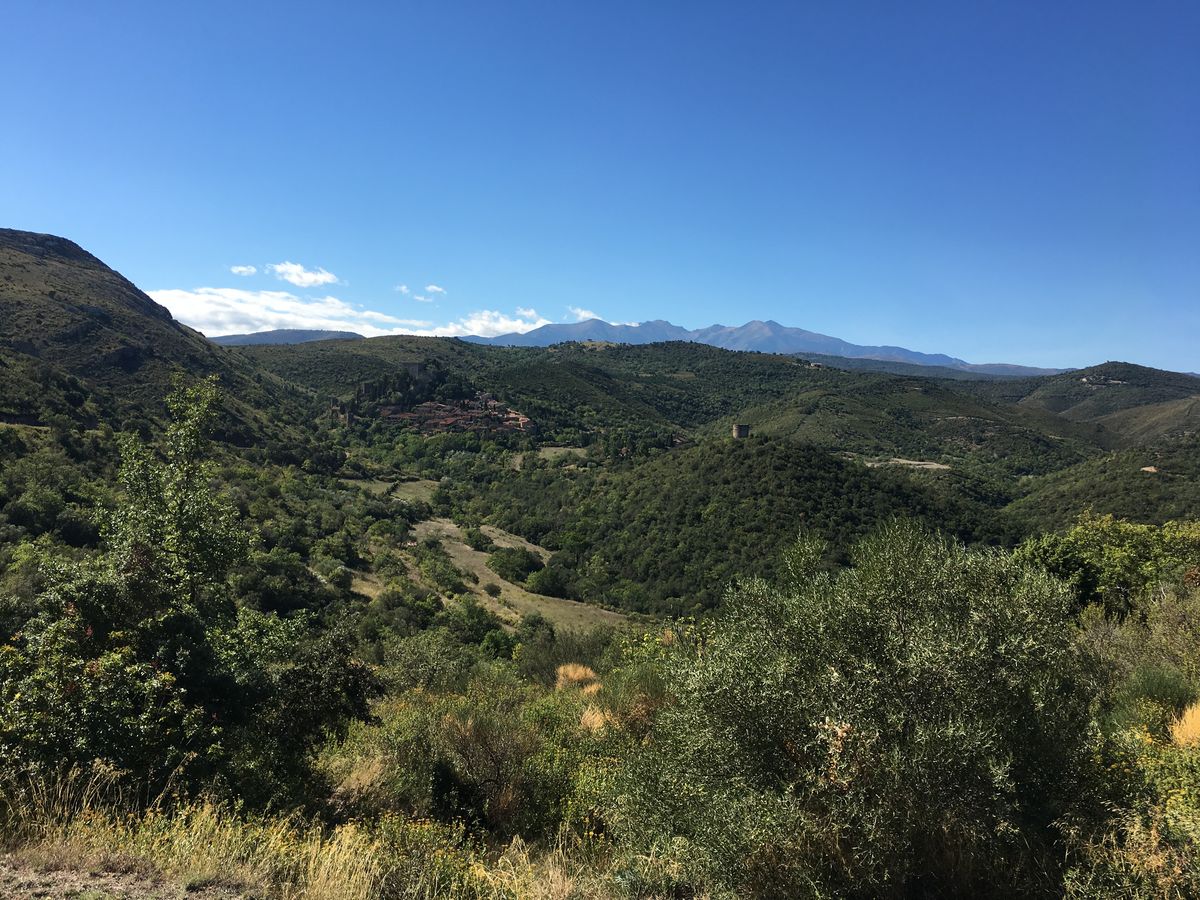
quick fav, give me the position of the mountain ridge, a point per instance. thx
(285, 336)
(756, 335)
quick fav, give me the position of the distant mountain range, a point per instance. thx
(764, 337)
(285, 336)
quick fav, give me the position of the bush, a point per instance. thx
(915, 723)
(1111, 562)
(514, 564)
(477, 540)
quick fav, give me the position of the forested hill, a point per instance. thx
(594, 386)
(79, 341)
(616, 458)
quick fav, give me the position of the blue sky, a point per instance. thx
(1009, 181)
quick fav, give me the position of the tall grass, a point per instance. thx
(1185, 731)
(80, 821)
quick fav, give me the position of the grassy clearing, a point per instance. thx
(420, 490)
(909, 463)
(514, 601)
(560, 452)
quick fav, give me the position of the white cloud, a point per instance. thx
(488, 323)
(243, 270)
(296, 274)
(402, 288)
(581, 315)
(421, 299)
(215, 311)
(526, 312)
(434, 289)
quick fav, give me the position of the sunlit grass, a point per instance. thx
(1185, 731)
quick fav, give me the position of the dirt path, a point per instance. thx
(514, 601)
(22, 882)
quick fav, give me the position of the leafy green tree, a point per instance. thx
(1110, 561)
(514, 564)
(173, 534)
(140, 658)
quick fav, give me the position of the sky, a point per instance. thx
(1009, 181)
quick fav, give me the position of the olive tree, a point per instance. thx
(916, 721)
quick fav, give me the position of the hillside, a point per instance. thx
(891, 367)
(79, 340)
(577, 389)
(1147, 484)
(924, 419)
(667, 533)
(1135, 404)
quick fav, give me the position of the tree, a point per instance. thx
(917, 722)
(140, 658)
(1109, 561)
(172, 532)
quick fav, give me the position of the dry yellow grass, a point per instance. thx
(205, 845)
(1185, 731)
(575, 675)
(71, 824)
(550, 875)
(595, 720)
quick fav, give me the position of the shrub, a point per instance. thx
(915, 723)
(1111, 562)
(477, 540)
(514, 564)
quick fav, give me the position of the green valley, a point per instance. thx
(419, 617)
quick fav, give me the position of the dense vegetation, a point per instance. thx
(666, 534)
(913, 637)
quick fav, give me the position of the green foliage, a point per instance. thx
(477, 540)
(279, 581)
(401, 609)
(436, 566)
(172, 534)
(1110, 562)
(666, 535)
(917, 722)
(139, 658)
(1147, 485)
(494, 751)
(1149, 663)
(514, 564)
(470, 623)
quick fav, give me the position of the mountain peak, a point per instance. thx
(756, 335)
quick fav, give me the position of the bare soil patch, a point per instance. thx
(514, 601)
(21, 882)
